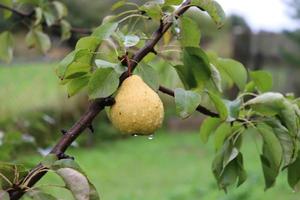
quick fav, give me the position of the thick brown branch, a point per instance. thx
(95, 107)
(93, 110)
(200, 108)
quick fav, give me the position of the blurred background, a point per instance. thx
(175, 165)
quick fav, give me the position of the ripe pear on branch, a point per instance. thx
(138, 109)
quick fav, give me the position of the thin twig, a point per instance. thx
(200, 108)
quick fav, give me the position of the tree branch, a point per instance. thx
(200, 108)
(17, 12)
(94, 109)
(21, 14)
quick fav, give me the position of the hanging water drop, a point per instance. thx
(151, 137)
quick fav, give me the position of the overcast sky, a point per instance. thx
(271, 15)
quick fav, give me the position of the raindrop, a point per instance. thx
(151, 137)
(135, 135)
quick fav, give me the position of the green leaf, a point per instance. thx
(269, 103)
(208, 126)
(153, 10)
(229, 155)
(268, 98)
(118, 4)
(8, 3)
(130, 40)
(37, 38)
(65, 30)
(38, 12)
(148, 74)
(250, 87)
(72, 64)
(214, 9)
(272, 154)
(77, 84)
(216, 77)
(172, 2)
(196, 60)
(61, 9)
(235, 70)
(77, 69)
(229, 176)
(105, 30)
(186, 102)
(6, 47)
(49, 160)
(288, 143)
(294, 175)
(233, 108)
(64, 64)
(186, 76)
(272, 143)
(71, 164)
(241, 170)
(49, 14)
(4, 195)
(36, 194)
(289, 116)
(228, 166)
(270, 173)
(76, 182)
(103, 83)
(233, 171)
(105, 64)
(221, 133)
(66, 163)
(220, 105)
(78, 62)
(90, 42)
(190, 34)
(263, 80)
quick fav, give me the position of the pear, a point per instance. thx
(138, 109)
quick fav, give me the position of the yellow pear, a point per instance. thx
(138, 109)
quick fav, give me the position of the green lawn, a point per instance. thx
(30, 87)
(27, 88)
(170, 167)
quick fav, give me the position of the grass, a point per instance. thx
(170, 167)
(27, 88)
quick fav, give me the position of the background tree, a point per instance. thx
(291, 57)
